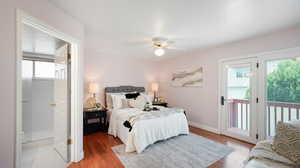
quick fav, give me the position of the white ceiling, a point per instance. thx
(120, 27)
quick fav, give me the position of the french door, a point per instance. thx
(239, 99)
(258, 92)
(280, 90)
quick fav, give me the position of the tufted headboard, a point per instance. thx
(124, 89)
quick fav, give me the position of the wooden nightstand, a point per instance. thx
(94, 121)
(160, 104)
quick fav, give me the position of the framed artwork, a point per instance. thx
(191, 77)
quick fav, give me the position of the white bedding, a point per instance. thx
(146, 132)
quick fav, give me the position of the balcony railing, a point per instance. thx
(276, 111)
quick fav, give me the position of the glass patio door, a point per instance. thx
(282, 92)
(238, 99)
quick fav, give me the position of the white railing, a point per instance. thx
(276, 111)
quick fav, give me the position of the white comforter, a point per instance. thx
(146, 132)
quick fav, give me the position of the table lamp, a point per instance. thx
(93, 89)
(154, 88)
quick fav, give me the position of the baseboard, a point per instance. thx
(81, 155)
(205, 127)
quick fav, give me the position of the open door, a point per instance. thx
(61, 105)
(238, 99)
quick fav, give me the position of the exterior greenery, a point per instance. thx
(283, 84)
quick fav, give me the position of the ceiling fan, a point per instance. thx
(160, 44)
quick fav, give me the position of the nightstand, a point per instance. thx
(94, 121)
(160, 104)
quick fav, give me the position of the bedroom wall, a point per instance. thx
(111, 69)
(202, 103)
(50, 15)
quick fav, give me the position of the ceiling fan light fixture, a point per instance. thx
(159, 52)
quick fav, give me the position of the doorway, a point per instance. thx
(45, 99)
(258, 91)
(238, 98)
(49, 117)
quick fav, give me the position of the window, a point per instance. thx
(44, 69)
(38, 69)
(242, 73)
(27, 69)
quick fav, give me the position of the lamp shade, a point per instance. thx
(154, 87)
(93, 88)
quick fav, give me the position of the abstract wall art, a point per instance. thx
(190, 77)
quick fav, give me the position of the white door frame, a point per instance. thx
(262, 94)
(76, 85)
(262, 58)
(253, 106)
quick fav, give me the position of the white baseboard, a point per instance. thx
(205, 127)
(81, 155)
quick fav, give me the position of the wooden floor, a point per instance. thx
(98, 153)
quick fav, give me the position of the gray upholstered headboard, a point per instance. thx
(124, 89)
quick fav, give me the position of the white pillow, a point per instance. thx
(109, 102)
(295, 123)
(139, 102)
(125, 103)
(148, 98)
(117, 101)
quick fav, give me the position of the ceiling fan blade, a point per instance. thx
(139, 42)
(171, 42)
(174, 48)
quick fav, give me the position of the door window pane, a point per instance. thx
(238, 95)
(27, 69)
(283, 92)
(44, 69)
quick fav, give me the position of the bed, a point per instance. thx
(153, 126)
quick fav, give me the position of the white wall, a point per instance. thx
(49, 14)
(112, 70)
(202, 103)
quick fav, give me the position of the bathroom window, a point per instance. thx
(27, 69)
(44, 69)
(38, 69)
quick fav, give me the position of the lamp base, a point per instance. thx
(91, 102)
(155, 100)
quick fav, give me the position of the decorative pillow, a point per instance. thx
(131, 95)
(287, 142)
(139, 102)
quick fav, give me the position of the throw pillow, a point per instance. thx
(287, 142)
(139, 102)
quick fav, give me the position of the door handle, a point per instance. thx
(222, 100)
(52, 105)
